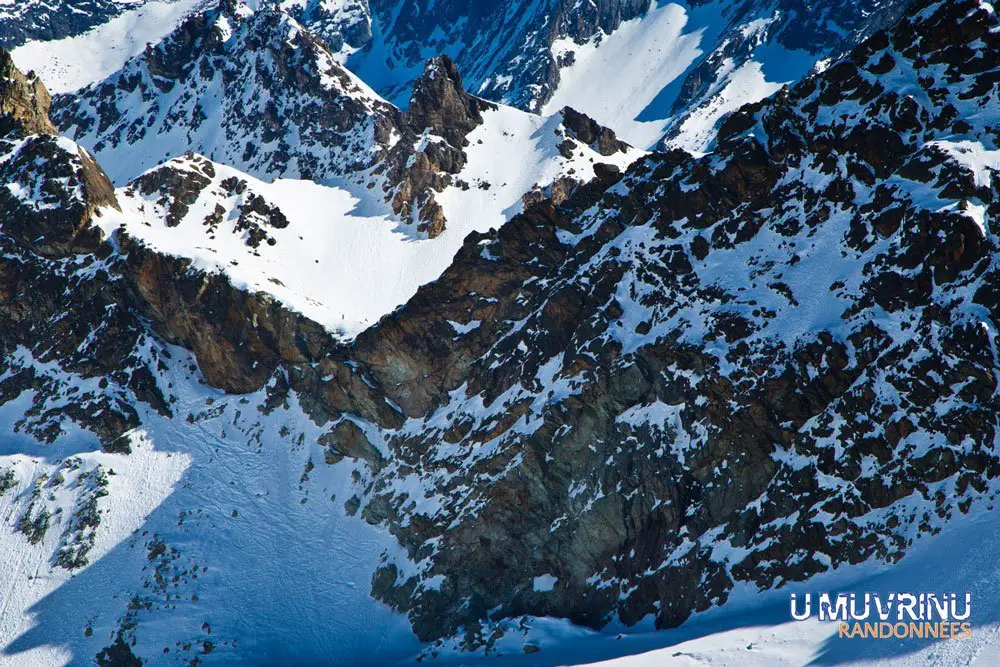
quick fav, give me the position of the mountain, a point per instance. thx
(345, 25)
(670, 76)
(744, 369)
(645, 69)
(763, 46)
(630, 390)
(666, 71)
(250, 88)
(87, 389)
(502, 47)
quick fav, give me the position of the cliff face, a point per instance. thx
(751, 367)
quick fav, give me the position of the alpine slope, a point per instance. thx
(533, 333)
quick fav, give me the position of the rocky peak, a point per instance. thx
(24, 100)
(439, 103)
(434, 130)
(502, 47)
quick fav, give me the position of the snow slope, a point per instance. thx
(73, 62)
(283, 579)
(678, 70)
(344, 260)
(616, 79)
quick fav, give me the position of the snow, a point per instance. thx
(71, 63)
(982, 162)
(203, 110)
(616, 79)
(629, 80)
(513, 151)
(314, 552)
(544, 583)
(344, 260)
(285, 579)
(462, 329)
(332, 263)
(744, 84)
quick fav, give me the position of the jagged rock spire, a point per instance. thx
(440, 103)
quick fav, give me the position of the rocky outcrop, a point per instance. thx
(786, 36)
(590, 132)
(24, 101)
(430, 152)
(345, 26)
(301, 116)
(440, 105)
(53, 187)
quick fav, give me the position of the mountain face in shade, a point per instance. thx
(690, 63)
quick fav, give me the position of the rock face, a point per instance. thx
(238, 337)
(750, 367)
(24, 101)
(345, 25)
(68, 179)
(515, 52)
(59, 304)
(430, 152)
(587, 130)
